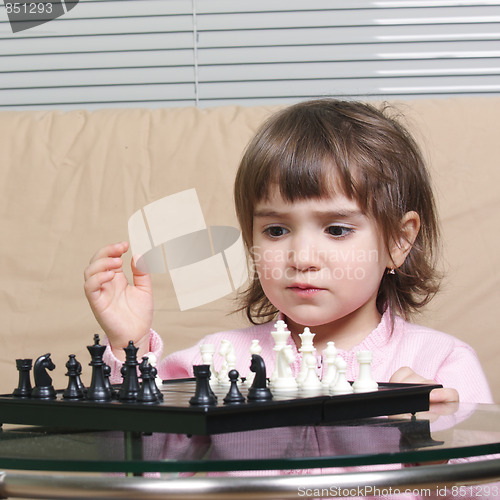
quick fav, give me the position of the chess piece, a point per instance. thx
(285, 381)
(331, 369)
(341, 384)
(255, 348)
(364, 382)
(226, 350)
(280, 336)
(73, 390)
(234, 395)
(207, 357)
(203, 395)
(306, 347)
(146, 393)
(43, 382)
(259, 390)
(130, 386)
(97, 390)
(311, 382)
(23, 389)
(154, 386)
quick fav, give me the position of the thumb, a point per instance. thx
(140, 274)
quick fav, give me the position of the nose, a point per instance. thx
(303, 254)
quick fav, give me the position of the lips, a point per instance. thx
(304, 288)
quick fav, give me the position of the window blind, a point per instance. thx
(159, 53)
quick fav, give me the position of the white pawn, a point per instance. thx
(207, 356)
(280, 336)
(255, 348)
(311, 382)
(364, 382)
(285, 380)
(331, 369)
(306, 348)
(341, 385)
(226, 350)
(153, 361)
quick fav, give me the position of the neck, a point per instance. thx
(346, 332)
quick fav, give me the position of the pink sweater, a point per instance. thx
(431, 354)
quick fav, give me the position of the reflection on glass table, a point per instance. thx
(448, 431)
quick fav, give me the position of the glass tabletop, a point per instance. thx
(447, 431)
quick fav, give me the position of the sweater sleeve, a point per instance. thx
(155, 348)
(462, 370)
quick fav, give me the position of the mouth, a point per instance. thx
(304, 288)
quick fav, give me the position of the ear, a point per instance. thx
(409, 228)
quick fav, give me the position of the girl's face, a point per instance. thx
(320, 262)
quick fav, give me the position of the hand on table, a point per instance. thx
(443, 401)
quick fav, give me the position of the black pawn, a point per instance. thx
(203, 395)
(130, 386)
(97, 390)
(234, 395)
(146, 394)
(154, 387)
(73, 391)
(23, 390)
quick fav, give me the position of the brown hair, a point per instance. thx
(371, 158)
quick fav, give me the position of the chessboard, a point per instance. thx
(175, 414)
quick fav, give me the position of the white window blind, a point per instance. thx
(157, 53)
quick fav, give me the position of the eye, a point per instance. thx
(338, 231)
(275, 231)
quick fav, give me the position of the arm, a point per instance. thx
(124, 311)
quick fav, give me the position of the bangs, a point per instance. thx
(303, 161)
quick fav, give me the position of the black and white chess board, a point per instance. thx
(175, 415)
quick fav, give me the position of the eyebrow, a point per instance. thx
(333, 214)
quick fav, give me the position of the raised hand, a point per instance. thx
(124, 310)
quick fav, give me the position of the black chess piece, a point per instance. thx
(107, 374)
(146, 392)
(72, 391)
(130, 386)
(43, 382)
(203, 395)
(97, 390)
(259, 390)
(234, 395)
(23, 389)
(154, 386)
(78, 379)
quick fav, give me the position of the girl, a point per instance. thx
(338, 218)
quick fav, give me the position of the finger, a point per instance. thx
(141, 279)
(102, 265)
(443, 395)
(95, 283)
(113, 250)
(402, 375)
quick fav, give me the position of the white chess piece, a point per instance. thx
(341, 384)
(207, 356)
(364, 382)
(255, 348)
(306, 348)
(153, 361)
(280, 336)
(285, 380)
(331, 369)
(226, 350)
(311, 382)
